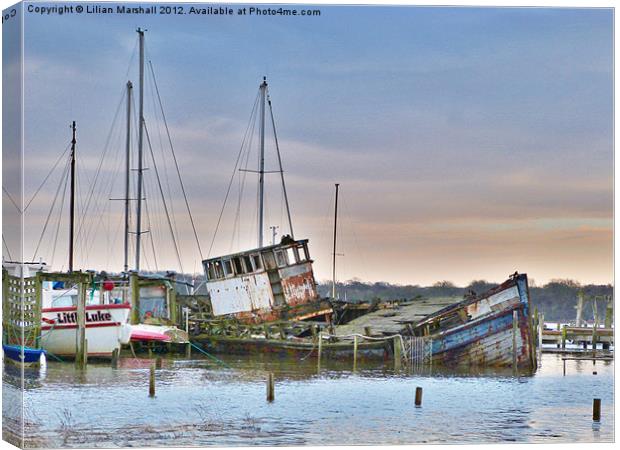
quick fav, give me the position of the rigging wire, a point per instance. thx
(163, 155)
(7, 248)
(47, 177)
(231, 180)
(11, 199)
(176, 164)
(58, 226)
(63, 178)
(98, 171)
(242, 178)
(161, 191)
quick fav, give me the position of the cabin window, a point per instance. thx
(238, 266)
(281, 258)
(257, 262)
(219, 272)
(64, 301)
(248, 264)
(228, 269)
(270, 261)
(210, 271)
(291, 256)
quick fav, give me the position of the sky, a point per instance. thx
(468, 142)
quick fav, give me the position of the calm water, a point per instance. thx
(200, 402)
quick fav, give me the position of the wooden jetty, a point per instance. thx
(584, 336)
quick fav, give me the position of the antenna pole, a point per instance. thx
(261, 170)
(140, 139)
(127, 170)
(334, 255)
(275, 135)
(72, 207)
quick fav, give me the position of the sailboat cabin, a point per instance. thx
(255, 283)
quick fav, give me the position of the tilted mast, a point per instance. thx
(261, 170)
(335, 235)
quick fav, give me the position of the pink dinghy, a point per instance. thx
(158, 333)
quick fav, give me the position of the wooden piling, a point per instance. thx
(515, 327)
(188, 350)
(367, 331)
(152, 381)
(398, 356)
(158, 363)
(354, 353)
(319, 350)
(81, 353)
(418, 396)
(134, 287)
(563, 337)
(609, 313)
(564, 369)
(596, 410)
(541, 327)
(270, 388)
(115, 355)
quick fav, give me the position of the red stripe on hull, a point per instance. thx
(70, 326)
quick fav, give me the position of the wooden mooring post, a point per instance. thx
(81, 349)
(354, 353)
(596, 410)
(115, 355)
(564, 337)
(398, 352)
(418, 396)
(152, 381)
(319, 351)
(270, 388)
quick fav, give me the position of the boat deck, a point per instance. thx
(394, 319)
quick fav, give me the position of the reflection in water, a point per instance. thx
(199, 402)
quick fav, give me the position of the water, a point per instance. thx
(199, 402)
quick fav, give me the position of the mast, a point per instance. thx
(275, 135)
(334, 255)
(261, 170)
(140, 139)
(72, 205)
(127, 170)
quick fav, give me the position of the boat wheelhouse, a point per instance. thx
(264, 284)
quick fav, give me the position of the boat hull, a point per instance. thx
(106, 329)
(489, 338)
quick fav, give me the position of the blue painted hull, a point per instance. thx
(480, 330)
(30, 355)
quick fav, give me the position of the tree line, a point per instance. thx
(556, 299)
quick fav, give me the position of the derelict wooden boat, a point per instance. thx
(491, 329)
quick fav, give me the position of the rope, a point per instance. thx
(370, 338)
(210, 355)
